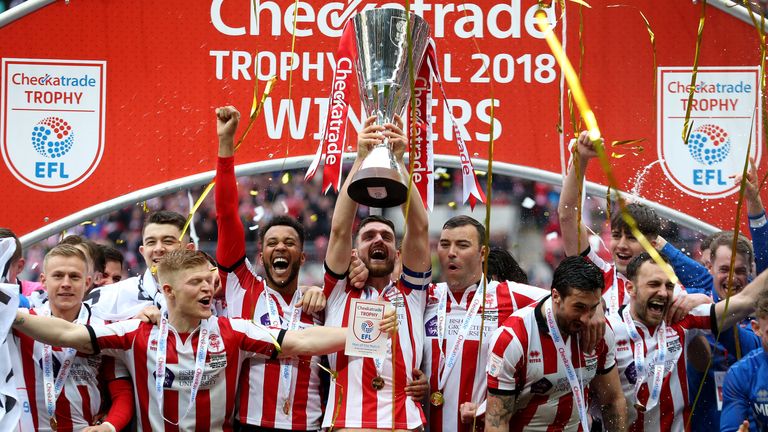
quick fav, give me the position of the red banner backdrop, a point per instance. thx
(103, 98)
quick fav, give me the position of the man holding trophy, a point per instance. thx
(372, 394)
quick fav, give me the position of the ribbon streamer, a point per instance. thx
(594, 134)
(688, 125)
(651, 35)
(255, 111)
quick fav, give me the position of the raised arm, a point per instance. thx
(758, 226)
(415, 247)
(694, 276)
(575, 238)
(340, 241)
(54, 331)
(230, 247)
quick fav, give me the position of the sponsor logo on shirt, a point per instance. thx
(622, 345)
(541, 386)
(534, 357)
(430, 327)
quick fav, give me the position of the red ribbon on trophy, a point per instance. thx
(331, 149)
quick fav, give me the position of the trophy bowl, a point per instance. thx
(384, 64)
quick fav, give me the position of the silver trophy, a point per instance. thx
(383, 68)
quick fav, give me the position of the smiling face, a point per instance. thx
(282, 256)
(721, 267)
(377, 249)
(159, 239)
(624, 246)
(461, 256)
(651, 292)
(65, 279)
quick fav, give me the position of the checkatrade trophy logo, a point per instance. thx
(52, 121)
(724, 115)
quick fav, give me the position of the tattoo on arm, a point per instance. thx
(18, 321)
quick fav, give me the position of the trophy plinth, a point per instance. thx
(383, 66)
(378, 182)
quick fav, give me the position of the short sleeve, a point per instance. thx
(256, 340)
(505, 363)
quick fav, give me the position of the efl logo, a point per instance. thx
(724, 113)
(52, 121)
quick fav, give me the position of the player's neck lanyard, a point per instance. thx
(640, 361)
(447, 363)
(286, 365)
(613, 293)
(573, 380)
(53, 387)
(197, 378)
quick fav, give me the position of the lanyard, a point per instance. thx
(53, 388)
(639, 355)
(613, 293)
(202, 351)
(576, 386)
(379, 361)
(446, 365)
(286, 365)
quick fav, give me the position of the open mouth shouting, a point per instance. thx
(280, 265)
(205, 302)
(657, 307)
(378, 253)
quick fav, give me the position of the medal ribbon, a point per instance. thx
(661, 356)
(446, 367)
(202, 352)
(53, 387)
(576, 386)
(471, 187)
(613, 296)
(286, 365)
(379, 361)
(331, 148)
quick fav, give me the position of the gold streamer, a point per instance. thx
(688, 124)
(255, 111)
(627, 145)
(594, 135)
(731, 271)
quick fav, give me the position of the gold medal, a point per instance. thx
(436, 399)
(639, 407)
(54, 424)
(377, 383)
(286, 407)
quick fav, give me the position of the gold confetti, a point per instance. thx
(286, 178)
(313, 218)
(254, 193)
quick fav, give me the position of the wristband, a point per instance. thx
(757, 221)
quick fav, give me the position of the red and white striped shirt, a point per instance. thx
(672, 410)
(80, 397)
(263, 389)
(359, 405)
(466, 381)
(524, 362)
(615, 290)
(231, 342)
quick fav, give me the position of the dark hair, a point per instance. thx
(283, 220)
(577, 272)
(166, 217)
(503, 267)
(111, 254)
(634, 266)
(93, 252)
(6, 233)
(462, 220)
(725, 238)
(648, 222)
(375, 218)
